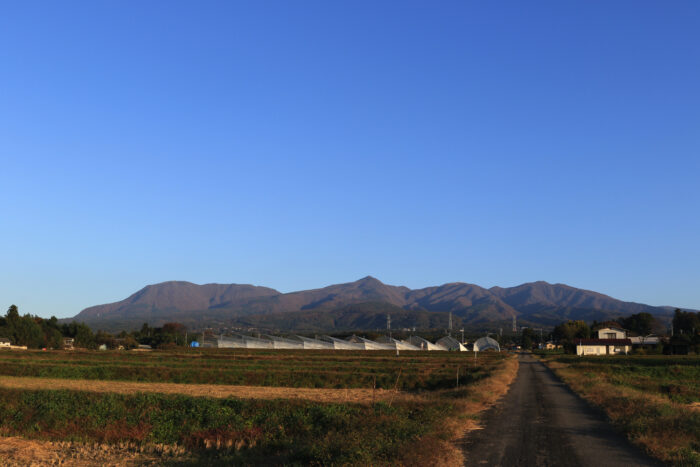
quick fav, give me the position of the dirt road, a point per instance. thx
(540, 422)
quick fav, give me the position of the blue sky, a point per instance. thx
(300, 144)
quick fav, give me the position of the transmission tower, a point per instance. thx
(388, 324)
(515, 325)
(450, 325)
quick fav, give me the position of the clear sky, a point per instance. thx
(299, 144)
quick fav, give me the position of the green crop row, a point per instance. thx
(240, 431)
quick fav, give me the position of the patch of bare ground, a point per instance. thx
(473, 400)
(15, 451)
(360, 396)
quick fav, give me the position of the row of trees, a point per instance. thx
(37, 333)
(685, 334)
(30, 330)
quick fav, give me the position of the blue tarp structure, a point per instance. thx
(194, 344)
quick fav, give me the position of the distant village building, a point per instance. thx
(5, 342)
(68, 343)
(611, 341)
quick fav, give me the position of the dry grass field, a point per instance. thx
(394, 411)
(219, 391)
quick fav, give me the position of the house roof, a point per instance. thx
(607, 324)
(603, 342)
(4, 339)
(615, 328)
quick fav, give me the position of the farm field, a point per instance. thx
(342, 408)
(654, 400)
(290, 368)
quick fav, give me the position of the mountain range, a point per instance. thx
(359, 305)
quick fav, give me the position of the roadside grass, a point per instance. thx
(202, 430)
(635, 394)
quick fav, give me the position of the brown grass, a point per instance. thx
(16, 451)
(357, 395)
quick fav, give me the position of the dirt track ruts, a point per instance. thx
(541, 422)
(205, 390)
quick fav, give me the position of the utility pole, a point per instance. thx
(450, 325)
(388, 324)
(462, 330)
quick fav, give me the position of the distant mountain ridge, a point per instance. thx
(357, 305)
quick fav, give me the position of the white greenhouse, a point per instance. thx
(450, 343)
(486, 343)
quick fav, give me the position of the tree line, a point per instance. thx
(39, 333)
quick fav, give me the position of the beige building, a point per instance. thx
(611, 341)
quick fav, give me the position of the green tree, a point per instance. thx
(528, 338)
(640, 323)
(104, 338)
(567, 333)
(686, 322)
(12, 313)
(82, 334)
(28, 332)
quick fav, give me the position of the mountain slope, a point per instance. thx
(346, 305)
(177, 296)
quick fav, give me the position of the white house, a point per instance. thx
(612, 332)
(5, 342)
(611, 341)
